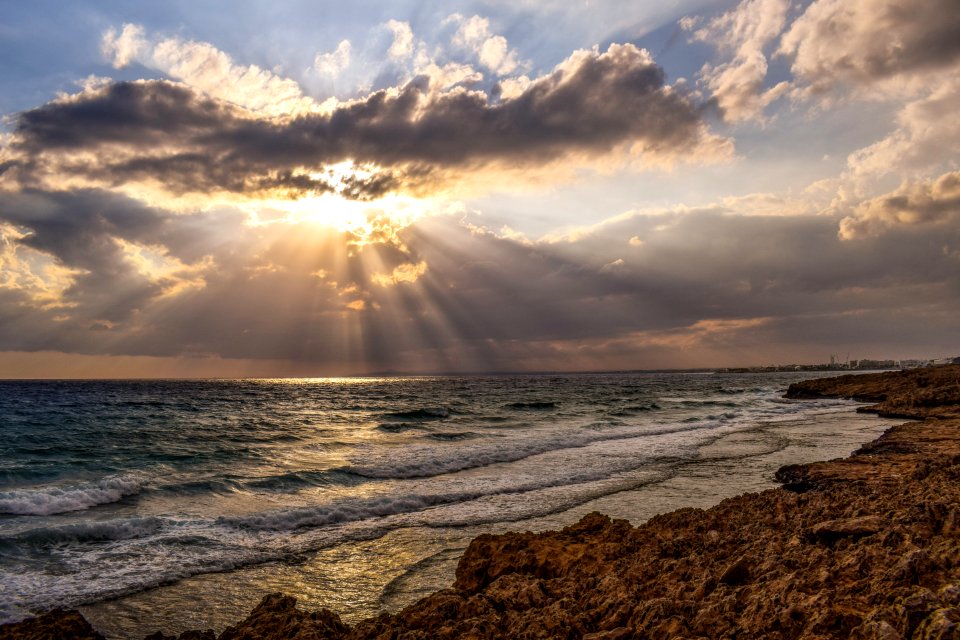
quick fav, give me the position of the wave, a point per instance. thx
(398, 427)
(93, 561)
(87, 532)
(125, 562)
(694, 403)
(426, 413)
(422, 504)
(633, 409)
(541, 406)
(427, 461)
(302, 479)
(199, 487)
(352, 511)
(732, 391)
(453, 435)
(45, 501)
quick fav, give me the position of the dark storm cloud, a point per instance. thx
(79, 227)
(590, 105)
(126, 112)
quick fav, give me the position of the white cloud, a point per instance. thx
(493, 51)
(742, 34)
(443, 78)
(203, 66)
(513, 87)
(332, 64)
(402, 46)
(126, 47)
(927, 135)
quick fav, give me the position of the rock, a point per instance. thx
(58, 624)
(620, 633)
(950, 594)
(942, 624)
(277, 617)
(917, 393)
(736, 573)
(876, 630)
(831, 530)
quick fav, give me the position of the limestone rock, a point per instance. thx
(53, 625)
(847, 528)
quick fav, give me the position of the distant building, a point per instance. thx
(913, 364)
(876, 364)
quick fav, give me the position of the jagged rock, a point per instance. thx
(277, 616)
(831, 530)
(942, 624)
(737, 573)
(917, 393)
(58, 624)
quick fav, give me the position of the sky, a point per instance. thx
(207, 189)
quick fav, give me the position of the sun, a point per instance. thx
(365, 221)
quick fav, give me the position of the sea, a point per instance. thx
(170, 505)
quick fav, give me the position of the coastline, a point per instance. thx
(865, 546)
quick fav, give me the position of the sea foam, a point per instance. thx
(48, 500)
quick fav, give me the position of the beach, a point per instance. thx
(864, 545)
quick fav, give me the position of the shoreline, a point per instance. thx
(389, 573)
(754, 563)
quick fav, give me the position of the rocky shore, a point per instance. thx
(863, 547)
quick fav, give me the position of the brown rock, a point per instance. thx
(736, 573)
(942, 624)
(831, 530)
(917, 393)
(277, 616)
(58, 624)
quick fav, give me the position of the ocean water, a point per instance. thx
(178, 504)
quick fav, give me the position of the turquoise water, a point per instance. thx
(110, 489)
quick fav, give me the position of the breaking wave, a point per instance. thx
(45, 501)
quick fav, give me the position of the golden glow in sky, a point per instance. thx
(427, 189)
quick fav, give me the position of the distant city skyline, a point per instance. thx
(222, 189)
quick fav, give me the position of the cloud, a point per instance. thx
(143, 281)
(126, 47)
(204, 67)
(492, 51)
(590, 105)
(107, 255)
(743, 34)
(924, 142)
(927, 134)
(865, 42)
(402, 46)
(34, 274)
(332, 64)
(913, 203)
(406, 272)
